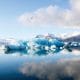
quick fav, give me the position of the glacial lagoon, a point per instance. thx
(41, 59)
(22, 66)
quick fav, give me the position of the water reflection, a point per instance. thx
(34, 52)
(16, 51)
(40, 52)
(56, 67)
(46, 65)
(63, 69)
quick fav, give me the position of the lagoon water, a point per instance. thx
(23, 66)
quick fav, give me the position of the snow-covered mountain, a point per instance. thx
(75, 36)
(69, 35)
(73, 39)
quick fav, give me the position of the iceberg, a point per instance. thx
(41, 44)
(20, 45)
(46, 44)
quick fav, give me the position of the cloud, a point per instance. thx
(54, 15)
(65, 69)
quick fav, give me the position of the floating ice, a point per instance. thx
(41, 45)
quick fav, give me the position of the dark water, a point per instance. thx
(23, 66)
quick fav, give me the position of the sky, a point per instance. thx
(22, 19)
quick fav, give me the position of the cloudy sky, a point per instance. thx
(22, 19)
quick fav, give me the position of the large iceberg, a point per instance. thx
(46, 44)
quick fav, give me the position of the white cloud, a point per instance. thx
(54, 15)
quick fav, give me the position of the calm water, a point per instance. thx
(23, 66)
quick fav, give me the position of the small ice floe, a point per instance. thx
(53, 47)
(46, 48)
